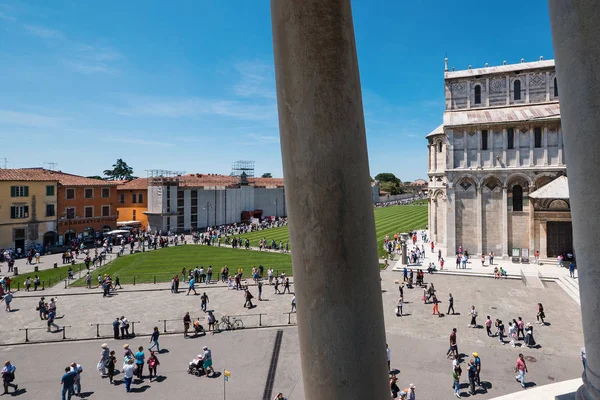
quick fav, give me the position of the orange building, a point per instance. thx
(86, 207)
(132, 203)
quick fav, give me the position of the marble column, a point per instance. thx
(505, 249)
(575, 30)
(479, 210)
(323, 145)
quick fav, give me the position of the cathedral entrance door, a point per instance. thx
(559, 238)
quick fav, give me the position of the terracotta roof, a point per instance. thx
(263, 182)
(209, 180)
(503, 115)
(41, 174)
(419, 182)
(136, 184)
(499, 69)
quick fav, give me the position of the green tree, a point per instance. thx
(391, 188)
(120, 171)
(267, 175)
(387, 177)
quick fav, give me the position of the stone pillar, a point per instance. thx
(450, 234)
(479, 191)
(323, 145)
(575, 29)
(545, 144)
(505, 146)
(505, 250)
(531, 144)
(466, 149)
(531, 222)
(478, 135)
(517, 145)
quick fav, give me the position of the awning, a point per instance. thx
(125, 223)
(116, 231)
(557, 189)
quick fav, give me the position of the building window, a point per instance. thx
(19, 191)
(555, 88)
(134, 215)
(106, 211)
(484, 139)
(88, 211)
(17, 212)
(70, 212)
(133, 198)
(70, 194)
(439, 147)
(105, 193)
(50, 210)
(50, 190)
(88, 193)
(511, 138)
(140, 198)
(122, 198)
(538, 137)
(517, 87)
(478, 94)
(517, 198)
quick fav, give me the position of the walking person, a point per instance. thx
(191, 286)
(50, 321)
(128, 371)
(78, 369)
(260, 285)
(7, 299)
(453, 349)
(512, 333)
(8, 376)
(456, 379)
(248, 299)
(211, 322)
(450, 304)
(540, 314)
(154, 339)
(207, 361)
(477, 361)
(435, 309)
(68, 380)
(520, 328)
(471, 373)
(520, 369)
(104, 357)
(572, 270)
(388, 353)
(153, 363)
(139, 362)
(473, 314)
(203, 301)
(399, 309)
(110, 366)
(529, 340)
(293, 304)
(286, 286)
(500, 332)
(488, 326)
(277, 285)
(187, 320)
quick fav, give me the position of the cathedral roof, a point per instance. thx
(557, 189)
(469, 73)
(503, 115)
(437, 131)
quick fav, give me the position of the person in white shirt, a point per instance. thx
(77, 383)
(270, 275)
(128, 370)
(388, 356)
(512, 333)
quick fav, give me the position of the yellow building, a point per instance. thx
(28, 208)
(132, 203)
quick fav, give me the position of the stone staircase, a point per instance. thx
(570, 286)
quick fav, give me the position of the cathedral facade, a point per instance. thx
(497, 172)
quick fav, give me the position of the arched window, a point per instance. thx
(477, 94)
(440, 147)
(555, 87)
(517, 198)
(517, 87)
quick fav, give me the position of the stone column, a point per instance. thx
(466, 149)
(545, 144)
(531, 144)
(450, 226)
(575, 29)
(323, 145)
(479, 210)
(505, 249)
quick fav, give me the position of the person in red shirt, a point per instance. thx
(520, 369)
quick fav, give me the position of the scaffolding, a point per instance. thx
(162, 177)
(243, 167)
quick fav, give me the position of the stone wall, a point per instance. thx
(492, 218)
(466, 218)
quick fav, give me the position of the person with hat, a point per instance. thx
(410, 392)
(402, 395)
(207, 360)
(104, 357)
(477, 368)
(8, 376)
(127, 353)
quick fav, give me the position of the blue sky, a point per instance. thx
(189, 85)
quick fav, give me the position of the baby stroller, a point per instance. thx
(195, 366)
(198, 328)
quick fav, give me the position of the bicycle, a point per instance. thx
(228, 323)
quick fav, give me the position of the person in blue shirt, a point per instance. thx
(68, 380)
(154, 339)
(8, 375)
(191, 287)
(477, 368)
(139, 362)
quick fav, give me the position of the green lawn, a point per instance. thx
(162, 264)
(388, 221)
(48, 277)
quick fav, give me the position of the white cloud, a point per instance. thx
(256, 80)
(9, 117)
(45, 33)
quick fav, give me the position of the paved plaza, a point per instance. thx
(418, 341)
